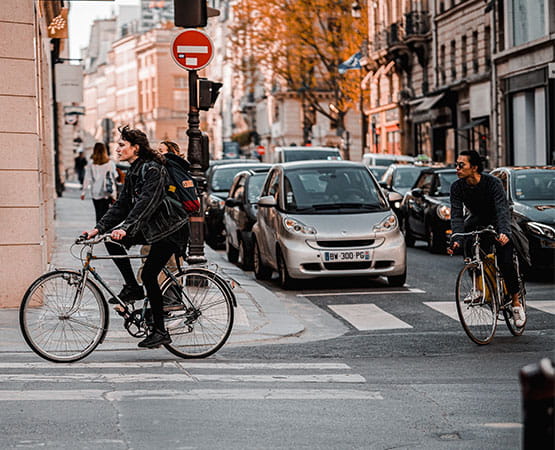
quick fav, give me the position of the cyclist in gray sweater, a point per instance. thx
(485, 199)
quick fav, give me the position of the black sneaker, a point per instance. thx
(129, 294)
(156, 339)
(172, 304)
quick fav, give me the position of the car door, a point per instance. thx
(416, 204)
(265, 217)
(233, 213)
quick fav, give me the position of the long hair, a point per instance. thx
(474, 159)
(172, 147)
(100, 154)
(137, 137)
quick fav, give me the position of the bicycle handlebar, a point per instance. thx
(82, 239)
(489, 230)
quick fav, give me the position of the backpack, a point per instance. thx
(182, 186)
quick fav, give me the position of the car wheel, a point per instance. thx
(245, 254)
(261, 271)
(397, 280)
(435, 245)
(285, 279)
(409, 238)
(231, 251)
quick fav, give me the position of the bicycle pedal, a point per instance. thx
(119, 309)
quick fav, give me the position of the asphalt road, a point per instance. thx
(421, 385)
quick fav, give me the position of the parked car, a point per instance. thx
(240, 215)
(377, 171)
(385, 159)
(220, 178)
(531, 194)
(294, 153)
(400, 178)
(426, 209)
(326, 219)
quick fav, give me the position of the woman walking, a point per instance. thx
(144, 214)
(100, 177)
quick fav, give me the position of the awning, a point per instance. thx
(428, 103)
(473, 123)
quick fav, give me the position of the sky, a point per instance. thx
(82, 13)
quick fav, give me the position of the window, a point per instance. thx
(475, 63)
(463, 57)
(453, 60)
(179, 100)
(527, 20)
(180, 82)
(442, 63)
(487, 38)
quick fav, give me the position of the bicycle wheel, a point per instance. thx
(508, 311)
(476, 308)
(58, 323)
(205, 322)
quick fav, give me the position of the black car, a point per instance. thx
(240, 215)
(426, 209)
(531, 194)
(220, 178)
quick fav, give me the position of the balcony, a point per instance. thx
(395, 34)
(417, 23)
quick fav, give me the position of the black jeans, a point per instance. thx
(101, 206)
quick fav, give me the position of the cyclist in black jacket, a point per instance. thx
(485, 199)
(144, 214)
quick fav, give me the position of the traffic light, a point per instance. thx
(192, 13)
(207, 93)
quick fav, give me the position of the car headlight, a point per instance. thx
(444, 212)
(388, 224)
(294, 226)
(542, 229)
(216, 202)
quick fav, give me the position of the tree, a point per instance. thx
(298, 46)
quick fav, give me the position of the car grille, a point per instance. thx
(348, 265)
(351, 243)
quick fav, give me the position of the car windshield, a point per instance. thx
(255, 186)
(446, 179)
(312, 189)
(406, 176)
(535, 184)
(222, 177)
(378, 171)
(302, 155)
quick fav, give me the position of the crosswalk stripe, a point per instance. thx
(547, 306)
(447, 308)
(367, 316)
(191, 394)
(183, 377)
(336, 294)
(183, 365)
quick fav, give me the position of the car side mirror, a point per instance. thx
(417, 192)
(394, 197)
(383, 184)
(268, 201)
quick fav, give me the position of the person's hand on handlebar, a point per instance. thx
(451, 249)
(91, 233)
(117, 235)
(502, 239)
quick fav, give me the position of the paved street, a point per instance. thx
(337, 364)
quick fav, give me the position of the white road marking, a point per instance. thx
(181, 377)
(340, 294)
(192, 394)
(547, 306)
(447, 308)
(183, 365)
(502, 425)
(241, 319)
(367, 316)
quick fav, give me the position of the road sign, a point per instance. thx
(192, 49)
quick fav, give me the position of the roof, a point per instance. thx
(320, 163)
(526, 167)
(245, 165)
(309, 147)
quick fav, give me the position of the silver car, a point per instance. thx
(326, 219)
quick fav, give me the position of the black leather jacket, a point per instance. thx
(143, 208)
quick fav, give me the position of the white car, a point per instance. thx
(326, 219)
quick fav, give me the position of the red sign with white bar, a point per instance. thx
(192, 49)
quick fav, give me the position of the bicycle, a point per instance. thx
(481, 292)
(64, 315)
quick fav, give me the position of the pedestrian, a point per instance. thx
(79, 166)
(100, 177)
(144, 214)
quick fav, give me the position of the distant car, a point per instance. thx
(326, 219)
(220, 178)
(240, 215)
(385, 159)
(531, 194)
(426, 209)
(377, 171)
(305, 153)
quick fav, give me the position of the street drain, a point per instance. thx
(450, 437)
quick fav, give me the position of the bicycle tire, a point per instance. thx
(508, 311)
(47, 302)
(205, 324)
(478, 315)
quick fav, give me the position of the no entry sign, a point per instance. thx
(192, 49)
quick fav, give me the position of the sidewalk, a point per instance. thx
(261, 316)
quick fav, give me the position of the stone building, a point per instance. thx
(27, 169)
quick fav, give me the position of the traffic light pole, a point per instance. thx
(195, 157)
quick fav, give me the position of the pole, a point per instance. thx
(55, 51)
(194, 154)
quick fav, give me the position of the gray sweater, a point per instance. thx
(486, 202)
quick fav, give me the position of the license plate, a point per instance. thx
(348, 255)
